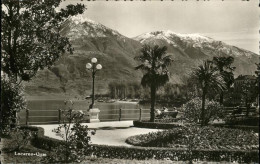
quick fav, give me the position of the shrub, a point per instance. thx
(12, 101)
(76, 138)
(21, 137)
(192, 111)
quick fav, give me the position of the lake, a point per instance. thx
(46, 111)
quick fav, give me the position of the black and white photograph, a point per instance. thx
(129, 81)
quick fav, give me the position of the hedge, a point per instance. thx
(241, 127)
(142, 153)
(174, 154)
(155, 125)
(247, 121)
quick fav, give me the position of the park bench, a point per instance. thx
(172, 114)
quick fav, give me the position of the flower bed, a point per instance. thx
(211, 138)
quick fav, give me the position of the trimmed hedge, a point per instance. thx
(241, 127)
(247, 121)
(155, 125)
(142, 153)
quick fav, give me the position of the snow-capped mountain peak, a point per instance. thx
(190, 41)
(80, 25)
(168, 35)
(80, 19)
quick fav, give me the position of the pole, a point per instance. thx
(93, 86)
(120, 114)
(140, 116)
(59, 116)
(27, 116)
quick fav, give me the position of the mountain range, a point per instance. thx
(116, 52)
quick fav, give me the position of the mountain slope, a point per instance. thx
(189, 50)
(89, 39)
(116, 54)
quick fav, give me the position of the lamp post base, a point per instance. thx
(93, 115)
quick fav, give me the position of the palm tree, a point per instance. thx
(207, 77)
(224, 67)
(154, 64)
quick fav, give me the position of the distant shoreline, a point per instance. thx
(61, 98)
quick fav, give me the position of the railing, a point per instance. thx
(56, 117)
(238, 112)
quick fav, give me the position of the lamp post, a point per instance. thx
(93, 67)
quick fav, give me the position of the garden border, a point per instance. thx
(241, 127)
(142, 153)
(155, 125)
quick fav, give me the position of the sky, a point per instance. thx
(235, 22)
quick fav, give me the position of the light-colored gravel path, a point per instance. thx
(108, 133)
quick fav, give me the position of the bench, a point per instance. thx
(173, 114)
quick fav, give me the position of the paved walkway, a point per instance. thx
(108, 133)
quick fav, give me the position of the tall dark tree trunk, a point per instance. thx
(153, 92)
(203, 107)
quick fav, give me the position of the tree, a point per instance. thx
(154, 64)
(208, 78)
(224, 67)
(249, 90)
(30, 35)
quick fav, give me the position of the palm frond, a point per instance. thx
(143, 67)
(208, 77)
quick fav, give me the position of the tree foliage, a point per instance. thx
(12, 101)
(208, 79)
(154, 63)
(249, 91)
(223, 63)
(192, 111)
(30, 37)
(124, 90)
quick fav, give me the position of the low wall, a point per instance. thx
(155, 125)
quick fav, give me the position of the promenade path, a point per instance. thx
(107, 133)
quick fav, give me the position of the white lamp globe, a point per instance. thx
(99, 66)
(88, 65)
(94, 60)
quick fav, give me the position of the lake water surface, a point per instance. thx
(46, 111)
